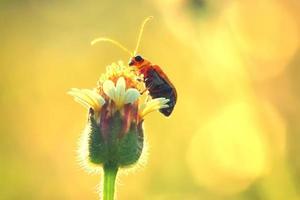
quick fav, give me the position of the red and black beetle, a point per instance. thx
(156, 81)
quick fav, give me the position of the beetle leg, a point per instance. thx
(139, 79)
(147, 88)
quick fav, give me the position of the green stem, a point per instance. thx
(110, 174)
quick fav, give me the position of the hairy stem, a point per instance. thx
(110, 174)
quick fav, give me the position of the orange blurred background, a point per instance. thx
(235, 131)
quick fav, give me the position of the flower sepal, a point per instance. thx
(116, 145)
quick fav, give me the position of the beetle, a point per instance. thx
(156, 81)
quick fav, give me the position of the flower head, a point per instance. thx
(114, 133)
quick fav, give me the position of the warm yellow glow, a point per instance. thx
(266, 33)
(233, 149)
(235, 65)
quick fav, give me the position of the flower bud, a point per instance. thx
(114, 133)
(115, 140)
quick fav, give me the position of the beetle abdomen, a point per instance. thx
(159, 87)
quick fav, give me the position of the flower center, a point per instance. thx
(115, 71)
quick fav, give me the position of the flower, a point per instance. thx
(118, 94)
(87, 98)
(114, 134)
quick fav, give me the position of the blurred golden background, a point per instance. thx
(234, 134)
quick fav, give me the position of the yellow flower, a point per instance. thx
(87, 98)
(114, 133)
(119, 94)
(152, 105)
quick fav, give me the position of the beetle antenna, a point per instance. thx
(141, 33)
(103, 39)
